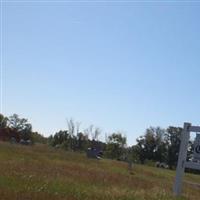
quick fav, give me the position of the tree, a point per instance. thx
(78, 124)
(116, 146)
(152, 145)
(97, 132)
(173, 142)
(71, 127)
(160, 151)
(3, 121)
(82, 141)
(38, 138)
(21, 126)
(140, 149)
(60, 138)
(92, 132)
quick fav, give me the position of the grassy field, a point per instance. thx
(40, 172)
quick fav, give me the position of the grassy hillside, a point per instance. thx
(40, 172)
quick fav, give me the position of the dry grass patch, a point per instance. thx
(40, 172)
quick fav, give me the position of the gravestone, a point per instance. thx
(13, 140)
(130, 165)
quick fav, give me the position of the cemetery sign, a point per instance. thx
(182, 158)
(197, 147)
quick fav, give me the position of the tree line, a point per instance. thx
(73, 139)
(18, 129)
(155, 145)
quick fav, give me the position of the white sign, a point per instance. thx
(197, 147)
(182, 163)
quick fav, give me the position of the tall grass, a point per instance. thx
(40, 172)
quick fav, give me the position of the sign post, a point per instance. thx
(182, 163)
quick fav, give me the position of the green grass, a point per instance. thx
(41, 172)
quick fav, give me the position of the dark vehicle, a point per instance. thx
(94, 153)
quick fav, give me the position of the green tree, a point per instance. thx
(152, 145)
(116, 146)
(3, 121)
(173, 142)
(82, 141)
(59, 138)
(38, 138)
(20, 125)
(140, 149)
(160, 151)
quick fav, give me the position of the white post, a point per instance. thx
(182, 159)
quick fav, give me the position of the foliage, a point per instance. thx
(173, 142)
(156, 145)
(159, 145)
(115, 147)
(151, 145)
(20, 125)
(38, 138)
(16, 128)
(3, 121)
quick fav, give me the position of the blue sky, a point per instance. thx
(119, 66)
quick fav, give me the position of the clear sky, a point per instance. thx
(120, 66)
